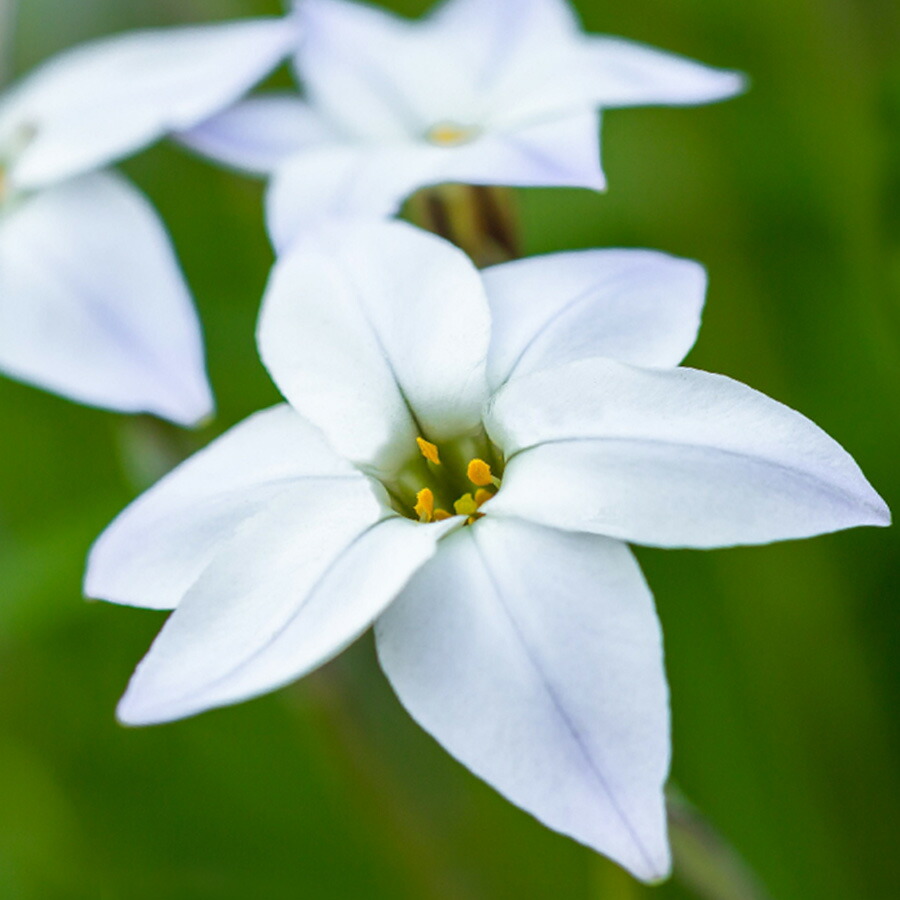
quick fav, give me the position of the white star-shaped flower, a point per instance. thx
(463, 457)
(93, 304)
(497, 92)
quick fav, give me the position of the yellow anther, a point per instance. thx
(429, 451)
(466, 505)
(449, 134)
(479, 472)
(482, 496)
(441, 514)
(424, 507)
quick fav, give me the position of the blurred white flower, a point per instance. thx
(93, 304)
(463, 457)
(497, 92)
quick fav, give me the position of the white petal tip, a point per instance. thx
(132, 712)
(196, 413)
(881, 515)
(649, 860)
(734, 84)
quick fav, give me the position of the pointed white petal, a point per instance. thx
(154, 551)
(626, 73)
(675, 458)
(105, 100)
(259, 134)
(344, 180)
(516, 62)
(377, 333)
(94, 306)
(369, 71)
(636, 306)
(293, 587)
(505, 63)
(374, 179)
(535, 657)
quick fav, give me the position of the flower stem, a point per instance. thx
(482, 221)
(149, 448)
(383, 797)
(8, 14)
(704, 861)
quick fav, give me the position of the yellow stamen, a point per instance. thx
(466, 505)
(424, 507)
(449, 134)
(429, 451)
(441, 515)
(482, 496)
(479, 472)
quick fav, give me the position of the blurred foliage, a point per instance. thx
(783, 660)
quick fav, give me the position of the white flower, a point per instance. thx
(537, 400)
(502, 92)
(92, 302)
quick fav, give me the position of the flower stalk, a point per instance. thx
(482, 221)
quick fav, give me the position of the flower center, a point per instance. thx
(450, 134)
(438, 484)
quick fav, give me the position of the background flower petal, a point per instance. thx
(374, 180)
(672, 458)
(104, 100)
(628, 73)
(534, 656)
(259, 134)
(94, 306)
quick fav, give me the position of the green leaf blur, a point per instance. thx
(783, 660)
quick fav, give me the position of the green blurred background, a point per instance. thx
(783, 660)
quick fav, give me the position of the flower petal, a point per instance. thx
(366, 69)
(105, 100)
(293, 587)
(378, 333)
(627, 73)
(94, 306)
(374, 179)
(673, 458)
(259, 134)
(497, 64)
(344, 180)
(534, 656)
(636, 306)
(154, 551)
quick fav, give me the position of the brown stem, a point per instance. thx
(482, 221)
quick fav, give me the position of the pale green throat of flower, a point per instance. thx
(447, 487)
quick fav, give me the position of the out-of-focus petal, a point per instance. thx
(104, 100)
(670, 457)
(534, 656)
(378, 333)
(154, 551)
(370, 71)
(94, 306)
(374, 180)
(637, 306)
(259, 134)
(627, 73)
